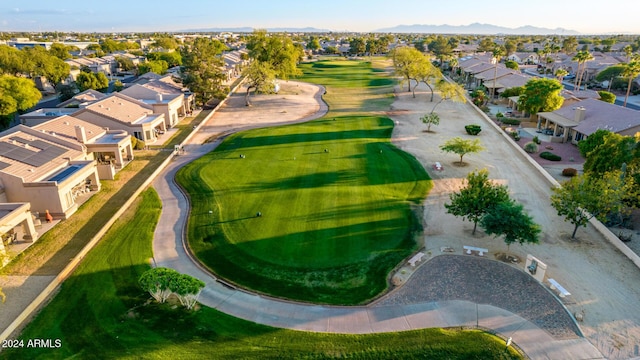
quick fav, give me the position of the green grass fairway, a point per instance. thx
(335, 196)
(101, 313)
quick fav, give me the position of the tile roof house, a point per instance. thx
(578, 121)
(122, 112)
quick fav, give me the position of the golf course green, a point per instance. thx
(320, 211)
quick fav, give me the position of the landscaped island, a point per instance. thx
(319, 211)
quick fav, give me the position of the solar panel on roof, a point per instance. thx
(3, 165)
(47, 153)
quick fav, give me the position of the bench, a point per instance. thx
(480, 251)
(555, 286)
(416, 258)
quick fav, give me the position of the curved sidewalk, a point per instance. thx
(169, 251)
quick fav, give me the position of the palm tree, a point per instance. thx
(560, 74)
(631, 70)
(581, 57)
(497, 53)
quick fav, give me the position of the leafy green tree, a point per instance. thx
(171, 58)
(441, 48)
(614, 151)
(11, 61)
(428, 74)
(42, 63)
(313, 44)
(476, 198)
(201, 69)
(569, 44)
(449, 91)
(541, 95)
(159, 67)
(357, 46)
(508, 219)
(407, 62)
(514, 91)
(260, 76)
(157, 281)
(430, 119)
(510, 47)
(124, 63)
(586, 196)
(278, 51)
(66, 91)
(89, 80)
(118, 85)
(607, 97)
(610, 73)
(486, 44)
(17, 94)
(510, 64)
(186, 288)
(592, 141)
(166, 42)
(59, 50)
(461, 146)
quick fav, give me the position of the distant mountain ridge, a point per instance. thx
(476, 28)
(247, 29)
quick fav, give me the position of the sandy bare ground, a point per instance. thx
(296, 102)
(602, 281)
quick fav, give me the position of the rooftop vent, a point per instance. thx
(66, 123)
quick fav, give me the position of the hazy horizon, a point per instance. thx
(590, 18)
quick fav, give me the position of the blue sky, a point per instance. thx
(585, 16)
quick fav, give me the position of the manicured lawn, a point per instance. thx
(101, 313)
(337, 199)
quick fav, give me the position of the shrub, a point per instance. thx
(499, 115)
(514, 135)
(510, 121)
(473, 129)
(531, 147)
(569, 172)
(536, 140)
(550, 156)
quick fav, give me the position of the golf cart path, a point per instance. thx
(382, 316)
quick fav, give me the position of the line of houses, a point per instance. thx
(56, 157)
(581, 114)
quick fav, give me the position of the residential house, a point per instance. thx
(43, 115)
(122, 112)
(17, 223)
(523, 58)
(171, 105)
(45, 170)
(112, 149)
(166, 85)
(578, 121)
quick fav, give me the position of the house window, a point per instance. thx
(138, 135)
(579, 136)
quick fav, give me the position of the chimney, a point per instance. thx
(159, 97)
(81, 135)
(580, 113)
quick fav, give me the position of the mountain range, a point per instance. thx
(476, 28)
